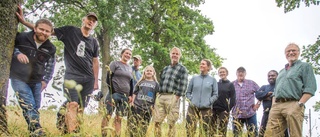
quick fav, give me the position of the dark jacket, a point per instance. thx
(35, 70)
(227, 96)
(262, 94)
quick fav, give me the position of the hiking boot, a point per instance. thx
(38, 133)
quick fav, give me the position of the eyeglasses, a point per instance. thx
(292, 50)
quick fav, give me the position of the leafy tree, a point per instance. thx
(152, 27)
(290, 5)
(311, 53)
(165, 24)
(8, 30)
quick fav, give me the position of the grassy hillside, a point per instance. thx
(91, 125)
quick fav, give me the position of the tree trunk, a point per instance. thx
(8, 30)
(104, 40)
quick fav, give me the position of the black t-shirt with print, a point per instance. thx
(145, 92)
(78, 52)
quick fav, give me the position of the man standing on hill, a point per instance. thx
(264, 94)
(81, 53)
(245, 109)
(31, 69)
(295, 85)
(173, 84)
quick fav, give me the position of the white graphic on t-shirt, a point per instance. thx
(148, 97)
(81, 48)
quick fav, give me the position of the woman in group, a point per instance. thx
(119, 80)
(202, 92)
(225, 102)
(144, 96)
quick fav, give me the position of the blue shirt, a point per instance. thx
(136, 74)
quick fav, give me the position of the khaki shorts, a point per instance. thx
(167, 105)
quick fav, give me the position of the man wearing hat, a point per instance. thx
(135, 69)
(81, 52)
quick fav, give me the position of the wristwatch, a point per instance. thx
(259, 102)
(301, 104)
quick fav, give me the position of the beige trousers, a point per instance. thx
(285, 115)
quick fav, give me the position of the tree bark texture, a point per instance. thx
(8, 30)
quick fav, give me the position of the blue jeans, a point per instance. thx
(29, 98)
(120, 103)
(251, 124)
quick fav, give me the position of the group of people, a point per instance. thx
(33, 64)
(141, 97)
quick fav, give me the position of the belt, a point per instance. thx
(165, 93)
(285, 99)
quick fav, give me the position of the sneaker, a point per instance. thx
(98, 96)
(61, 125)
(38, 133)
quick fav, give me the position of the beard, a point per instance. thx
(40, 38)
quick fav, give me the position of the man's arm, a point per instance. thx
(309, 83)
(96, 72)
(305, 97)
(262, 94)
(22, 58)
(183, 83)
(21, 19)
(49, 69)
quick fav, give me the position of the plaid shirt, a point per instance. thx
(174, 79)
(49, 69)
(244, 99)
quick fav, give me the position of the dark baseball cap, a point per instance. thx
(92, 14)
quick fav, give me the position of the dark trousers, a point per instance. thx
(72, 95)
(251, 125)
(220, 120)
(204, 116)
(138, 122)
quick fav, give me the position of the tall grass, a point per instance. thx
(90, 125)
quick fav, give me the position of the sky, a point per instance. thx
(254, 34)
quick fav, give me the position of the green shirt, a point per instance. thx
(293, 82)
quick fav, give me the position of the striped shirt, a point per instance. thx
(244, 98)
(174, 79)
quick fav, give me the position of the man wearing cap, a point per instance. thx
(135, 69)
(81, 52)
(244, 112)
(295, 85)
